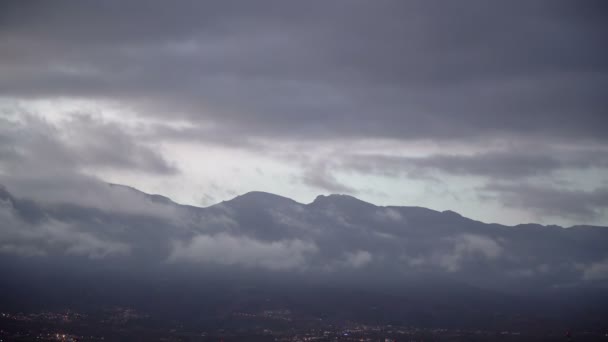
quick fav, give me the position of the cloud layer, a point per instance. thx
(352, 97)
(229, 250)
(334, 238)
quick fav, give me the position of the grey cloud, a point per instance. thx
(21, 250)
(52, 162)
(552, 202)
(52, 189)
(207, 200)
(388, 214)
(101, 144)
(503, 170)
(256, 75)
(243, 251)
(359, 258)
(82, 243)
(320, 176)
(596, 271)
(460, 248)
(349, 261)
(74, 144)
(19, 237)
(89, 192)
(467, 245)
(290, 70)
(503, 164)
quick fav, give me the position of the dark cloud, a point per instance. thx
(516, 163)
(576, 204)
(516, 177)
(262, 75)
(405, 70)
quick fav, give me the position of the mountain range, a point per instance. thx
(337, 257)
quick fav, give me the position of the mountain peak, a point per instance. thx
(339, 199)
(260, 197)
(451, 213)
(152, 197)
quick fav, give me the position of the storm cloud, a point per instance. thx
(358, 97)
(298, 69)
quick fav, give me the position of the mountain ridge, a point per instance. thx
(418, 256)
(267, 197)
(250, 195)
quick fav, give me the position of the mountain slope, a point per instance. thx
(425, 259)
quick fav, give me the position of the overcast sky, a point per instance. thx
(494, 109)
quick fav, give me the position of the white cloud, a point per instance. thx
(227, 249)
(69, 188)
(22, 238)
(358, 259)
(388, 214)
(462, 248)
(477, 244)
(596, 271)
(469, 245)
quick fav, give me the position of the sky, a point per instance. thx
(493, 109)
